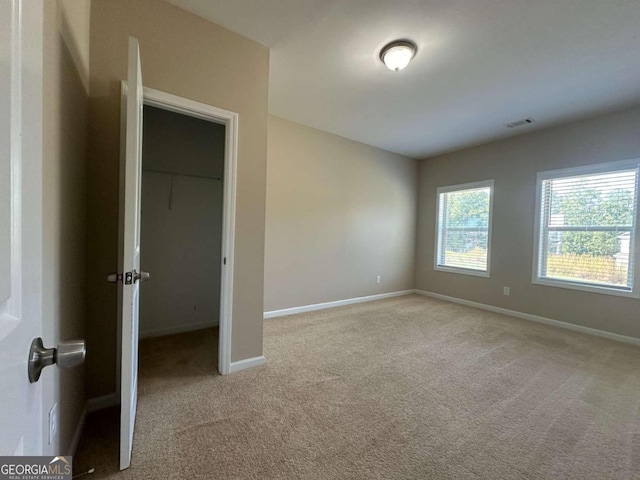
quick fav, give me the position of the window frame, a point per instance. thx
(634, 249)
(456, 188)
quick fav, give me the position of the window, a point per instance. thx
(464, 228)
(586, 228)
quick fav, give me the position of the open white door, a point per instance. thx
(20, 223)
(130, 284)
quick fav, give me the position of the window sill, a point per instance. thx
(462, 271)
(547, 282)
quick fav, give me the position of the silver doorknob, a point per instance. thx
(129, 277)
(114, 277)
(68, 354)
(142, 276)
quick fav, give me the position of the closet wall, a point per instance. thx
(181, 231)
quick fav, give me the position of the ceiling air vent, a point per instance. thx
(520, 123)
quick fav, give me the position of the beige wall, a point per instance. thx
(66, 105)
(339, 213)
(187, 56)
(513, 164)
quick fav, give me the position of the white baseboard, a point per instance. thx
(179, 329)
(534, 318)
(246, 363)
(77, 434)
(337, 303)
(105, 401)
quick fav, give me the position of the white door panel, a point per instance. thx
(20, 222)
(131, 253)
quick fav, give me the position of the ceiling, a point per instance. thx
(480, 64)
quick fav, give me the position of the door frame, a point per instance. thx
(185, 106)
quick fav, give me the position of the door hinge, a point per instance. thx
(225, 260)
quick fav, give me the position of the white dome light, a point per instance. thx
(397, 55)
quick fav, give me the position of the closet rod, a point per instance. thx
(181, 174)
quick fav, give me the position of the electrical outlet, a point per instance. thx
(53, 423)
(378, 279)
(506, 290)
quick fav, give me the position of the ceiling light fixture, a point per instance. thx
(397, 55)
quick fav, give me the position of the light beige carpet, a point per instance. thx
(405, 388)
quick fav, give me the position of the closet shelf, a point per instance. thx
(213, 177)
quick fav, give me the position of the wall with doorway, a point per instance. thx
(185, 55)
(181, 228)
(64, 195)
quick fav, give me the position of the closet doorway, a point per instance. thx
(181, 222)
(182, 197)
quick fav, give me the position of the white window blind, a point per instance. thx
(587, 227)
(463, 228)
